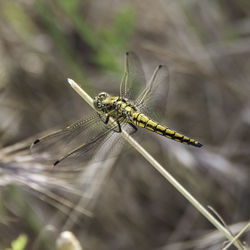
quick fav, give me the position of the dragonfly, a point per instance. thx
(128, 110)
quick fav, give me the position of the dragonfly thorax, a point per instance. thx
(115, 106)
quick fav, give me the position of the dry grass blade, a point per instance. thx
(204, 242)
(244, 229)
(19, 168)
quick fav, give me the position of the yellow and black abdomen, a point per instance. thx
(142, 120)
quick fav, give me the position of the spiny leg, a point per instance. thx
(117, 121)
(134, 128)
(119, 127)
(106, 120)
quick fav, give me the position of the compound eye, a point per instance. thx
(102, 95)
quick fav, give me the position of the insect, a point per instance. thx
(114, 113)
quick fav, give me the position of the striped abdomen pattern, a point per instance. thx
(121, 107)
(142, 120)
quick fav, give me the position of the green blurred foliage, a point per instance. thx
(18, 19)
(115, 40)
(20, 243)
(105, 44)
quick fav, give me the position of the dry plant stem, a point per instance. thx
(163, 171)
(237, 236)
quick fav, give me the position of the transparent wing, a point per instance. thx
(133, 80)
(60, 142)
(104, 145)
(75, 143)
(95, 174)
(86, 150)
(156, 92)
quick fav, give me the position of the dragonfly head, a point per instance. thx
(98, 100)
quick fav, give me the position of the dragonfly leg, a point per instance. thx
(119, 127)
(106, 120)
(134, 127)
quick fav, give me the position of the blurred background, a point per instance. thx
(205, 45)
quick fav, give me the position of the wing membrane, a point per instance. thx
(151, 96)
(64, 140)
(84, 151)
(156, 90)
(133, 79)
(75, 143)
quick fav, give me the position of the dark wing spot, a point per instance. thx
(36, 141)
(56, 162)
